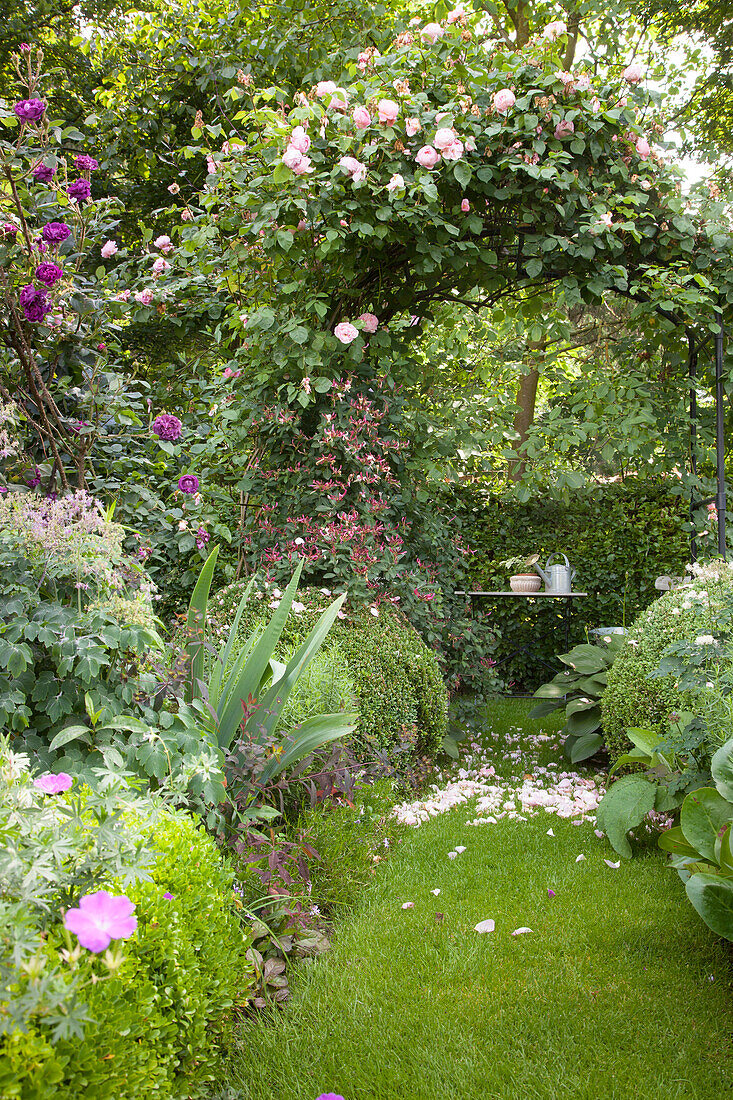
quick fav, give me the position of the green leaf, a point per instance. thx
(721, 768)
(585, 747)
(704, 814)
(533, 268)
(196, 625)
(673, 840)
(623, 807)
(582, 723)
(712, 897)
(463, 172)
(71, 733)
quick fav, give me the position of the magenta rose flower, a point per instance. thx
(79, 190)
(85, 163)
(55, 232)
(101, 918)
(168, 427)
(48, 273)
(53, 784)
(29, 110)
(330, 1096)
(34, 303)
(189, 483)
(43, 173)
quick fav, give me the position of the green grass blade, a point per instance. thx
(224, 654)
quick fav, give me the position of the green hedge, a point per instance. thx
(619, 538)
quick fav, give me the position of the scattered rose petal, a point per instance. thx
(550, 893)
(485, 926)
(614, 865)
(520, 931)
(408, 905)
(580, 858)
(452, 855)
(598, 833)
(436, 892)
(460, 847)
(550, 832)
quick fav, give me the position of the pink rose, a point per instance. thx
(299, 140)
(356, 170)
(123, 296)
(108, 250)
(606, 219)
(443, 138)
(325, 87)
(361, 118)
(427, 156)
(144, 297)
(465, 206)
(292, 157)
(431, 32)
(186, 215)
(160, 267)
(633, 73)
(396, 183)
(369, 322)
(345, 332)
(454, 151)
(582, 83)
(553, 30)
(164, 243)
(595, 104)
(339, 100)
(643, 148)
(504, 99)
(458, 12)
(564, 128)
(388, 111)
(413, 126)
(565, 78)
(304, 167)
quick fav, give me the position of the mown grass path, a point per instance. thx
(618, 992)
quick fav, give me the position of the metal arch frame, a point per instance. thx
(720, 496)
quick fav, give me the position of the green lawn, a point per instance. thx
(619, 991)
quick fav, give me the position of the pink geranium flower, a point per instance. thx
(53, 784)
(101, 918)
(428, 157)
(345, 332)
(388, 111)
(504, 99)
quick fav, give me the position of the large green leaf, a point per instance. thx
(712, 896)
(196, 626)
(673, 840)
(722, 769)
(312, 735)
(71, 733)
(623, 807)
(582, 748)
(705, 813)
(547, 707)
(586, 659)
(584, 722)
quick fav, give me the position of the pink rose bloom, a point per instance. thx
(164, 243)
(465, 206)
(109, 248)
(101, 918)
(303, 167)
(339, 100)
(595, 104)
(299, 140)
(362, 118)
(144, 297)
(160, 267)
(553, 30)
(413, 126)
(369, 322)
(186, 215)
(388, 111)
(396, 183)
(623, 101)
(582, 83)
(643, 148)
(431, 32)
(428, 157)
(633, 73)
(564, 128)
(606, 219)
(443, 138)
(325, 87)
(292, 157)
(504, 99)
(53, 784)
(454, 151)
(458, 12)
(356, 170)
(565, 78)
(123, 296)
(345, 332)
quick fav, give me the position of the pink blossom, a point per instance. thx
(160, 267)
(302, 224)
(299, 140)
(643, 148)
(306, 384)
(454, 151)
(100, 918)
(565, 78)
(53, 784)
(606, 219)
(388, 111)
(443, 138)
(339, 100)
(362, 118)
(186, 215)
(144, 297)
(164, 243)
(633, 73)
(458, 12)
(345, 332)
(582, 83)
(595, 104)
(428, 157)
(431, 32)
(465, 206)
(356, 170)
(325, 87)
(108, 250)
(396, 183)
(564, 128)
(292, 157)
(413, 126)
(123, 296)
(369, 322)
(174, 188)
(553, 30)
(504, 99)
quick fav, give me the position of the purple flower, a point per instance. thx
(100, 918)
(10, 230)
(167, 427)
(79, 191)
(53, 784)
(189, 483)
(55, 232)
(85, 163)
(43, 173)
(550, 893)
(202, 537)
(330, 1096)
(168, 896)
(48, 273)
(34, 303)
(29, 110)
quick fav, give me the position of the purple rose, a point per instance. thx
(55, 232)
(29, 110)
(43, 173)
(53, 784)
(189, 483)
(34, 303)
(48, 273)
(100, 918)
(10, 230)
(85, 163)
(167, 427)
(79, 191)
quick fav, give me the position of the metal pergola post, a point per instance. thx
(720, 436)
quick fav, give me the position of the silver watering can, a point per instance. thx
(558, 578)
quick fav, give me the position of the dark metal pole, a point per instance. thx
(720, 436)
(692, 370)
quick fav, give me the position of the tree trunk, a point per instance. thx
(524, 416)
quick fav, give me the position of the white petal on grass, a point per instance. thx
(599, 834)
(550, 832)
(460, 847)
(614, 865)
(408, 905)
(580, 858)
(436, 892)
(452, 855)
(520, 931)
(485, 926)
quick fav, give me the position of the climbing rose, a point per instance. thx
(292, 157)
(553, 30)
(413, 126)
(325, 87)
(564, 128)
(606, 219)
(109, 248)
(369, 322)
(299, 140)
(85, 163)
(168, 427)
(34, 303)
(144, 297)
(164, 243)
(79, 190)
(302, 168)
(504, 99)
(388, 111)
(444, 138)
(396, 183)
(345, 332)
(465, 206)
(160, 267)
(633, 73)
(432, 32)
(458, 12)
(454, 151)
(356, 170)
(428, 157)
(643, 148)
(43, 173)
(362, 118)
(48, 273)
(101, 918)
(189, 484)
(53, 784)
(55, 232)
(29, 110)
